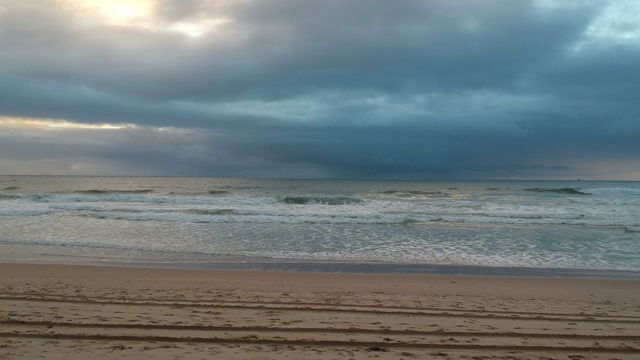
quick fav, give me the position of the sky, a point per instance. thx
(436, 89)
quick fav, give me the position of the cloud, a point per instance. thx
(281, 48)
(435, 89)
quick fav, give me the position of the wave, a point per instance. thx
(11, 188)
(9, 197)
(208, 212)
(153, 212)
(631, 229)
(410, 222)
(414, 193)
(218, 192)
(240, 187)
(569, 191)
(113, 197)
(22, 213)
(283, 213)
(322, 200)
(425, 222)
(100, 245)
(81, 207)
(615, 191)
(106, 192)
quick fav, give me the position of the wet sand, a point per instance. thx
(99, 312)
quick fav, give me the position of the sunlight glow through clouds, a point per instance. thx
(114, 12)
(198, 28)
(27, 123)
(141, 14)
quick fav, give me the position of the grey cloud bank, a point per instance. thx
(432, 89)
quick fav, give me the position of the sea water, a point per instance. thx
(523, 224)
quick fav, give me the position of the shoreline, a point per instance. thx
(346, 268)
(82, 311)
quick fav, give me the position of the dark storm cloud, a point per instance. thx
(282, 47)
(335, 88)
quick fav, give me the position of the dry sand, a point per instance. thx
(93, 312)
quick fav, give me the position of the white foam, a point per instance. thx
(471, 228)
(19, 213)
(246, 209)
(614, 191)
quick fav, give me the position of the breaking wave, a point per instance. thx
(322, 200)
(208, 212)
(401, 193)
(106, 192)
(631, 229)
(9, 197)
(615, 191)
(569, 191)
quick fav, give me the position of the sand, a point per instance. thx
(99, 312)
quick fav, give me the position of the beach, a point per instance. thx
(72, 311)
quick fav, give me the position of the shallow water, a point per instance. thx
(524, 224)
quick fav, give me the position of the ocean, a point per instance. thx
(397, 225)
